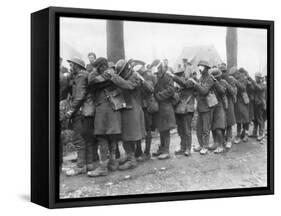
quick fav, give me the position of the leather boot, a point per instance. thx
(148, 140)
(113, 163)
(219, 150)
(81, 157)
(245, 138)
(159, 152)
(188, 148)
(255, 131)
(122, 160)
(90, 156)
(76, 171)
(102, 170)
(130, 163)
(261, 132)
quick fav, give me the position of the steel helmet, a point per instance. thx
(222, 68)
(120, 65)
(258, 74)
(78, 61)
(204, 63)
(215, 72)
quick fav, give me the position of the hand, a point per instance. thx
(140, 76)
(192, 80)
(109, 73)
(170, 73)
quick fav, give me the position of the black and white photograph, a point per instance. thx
(150, 107)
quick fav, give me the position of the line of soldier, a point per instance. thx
(112, 103)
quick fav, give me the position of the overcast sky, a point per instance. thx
(147, 41)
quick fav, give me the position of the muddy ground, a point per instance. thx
(243, 166)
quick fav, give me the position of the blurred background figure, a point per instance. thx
(92, 57)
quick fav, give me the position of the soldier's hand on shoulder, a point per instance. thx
(193, 80)
(168, 72)
(108, 73)
(140, 76)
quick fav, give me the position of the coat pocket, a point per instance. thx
(184, 106)
(117, 100)
(245, 98)
(152, 104)
(211, 100)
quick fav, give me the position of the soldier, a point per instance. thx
(165, 118)
(184, 111)
(133, 125)
(219, 119)
(251, 93)
(107, 123)
(92, 57)
(242, 106)
(79, 93)
(166, 66)
(204, 121)
(231, 93)
(259, 105)
(187, 67)
(147, 99)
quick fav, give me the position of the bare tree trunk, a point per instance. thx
(115, 40)
(231, 47)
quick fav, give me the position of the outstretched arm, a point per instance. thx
(204, 88)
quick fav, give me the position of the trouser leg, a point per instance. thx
(260, 119)
(199, 129)
(246, 126)
(189, 131)
(228, 133)
(138, 151)
(118, 155)
(148, 140)
(165, 135)
(91, 149)
(79, 141)
(148, 128)
(113, 163)
(206, 126)
(215, 137)
(102, 170)
(180, 120)
(255, 129)
(129, 147)
(219, 136)
(220, 140)
(80, 146)
(239, 128)
(103, 144)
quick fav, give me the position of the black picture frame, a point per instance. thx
(44, 106)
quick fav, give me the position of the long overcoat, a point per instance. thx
(186, 92)
(219, 118)
(251, 93)
(241, 108)
(133, 124)
(203, 88)
(231, 93)
(147, 94)
(164, 91)
(107, 121)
